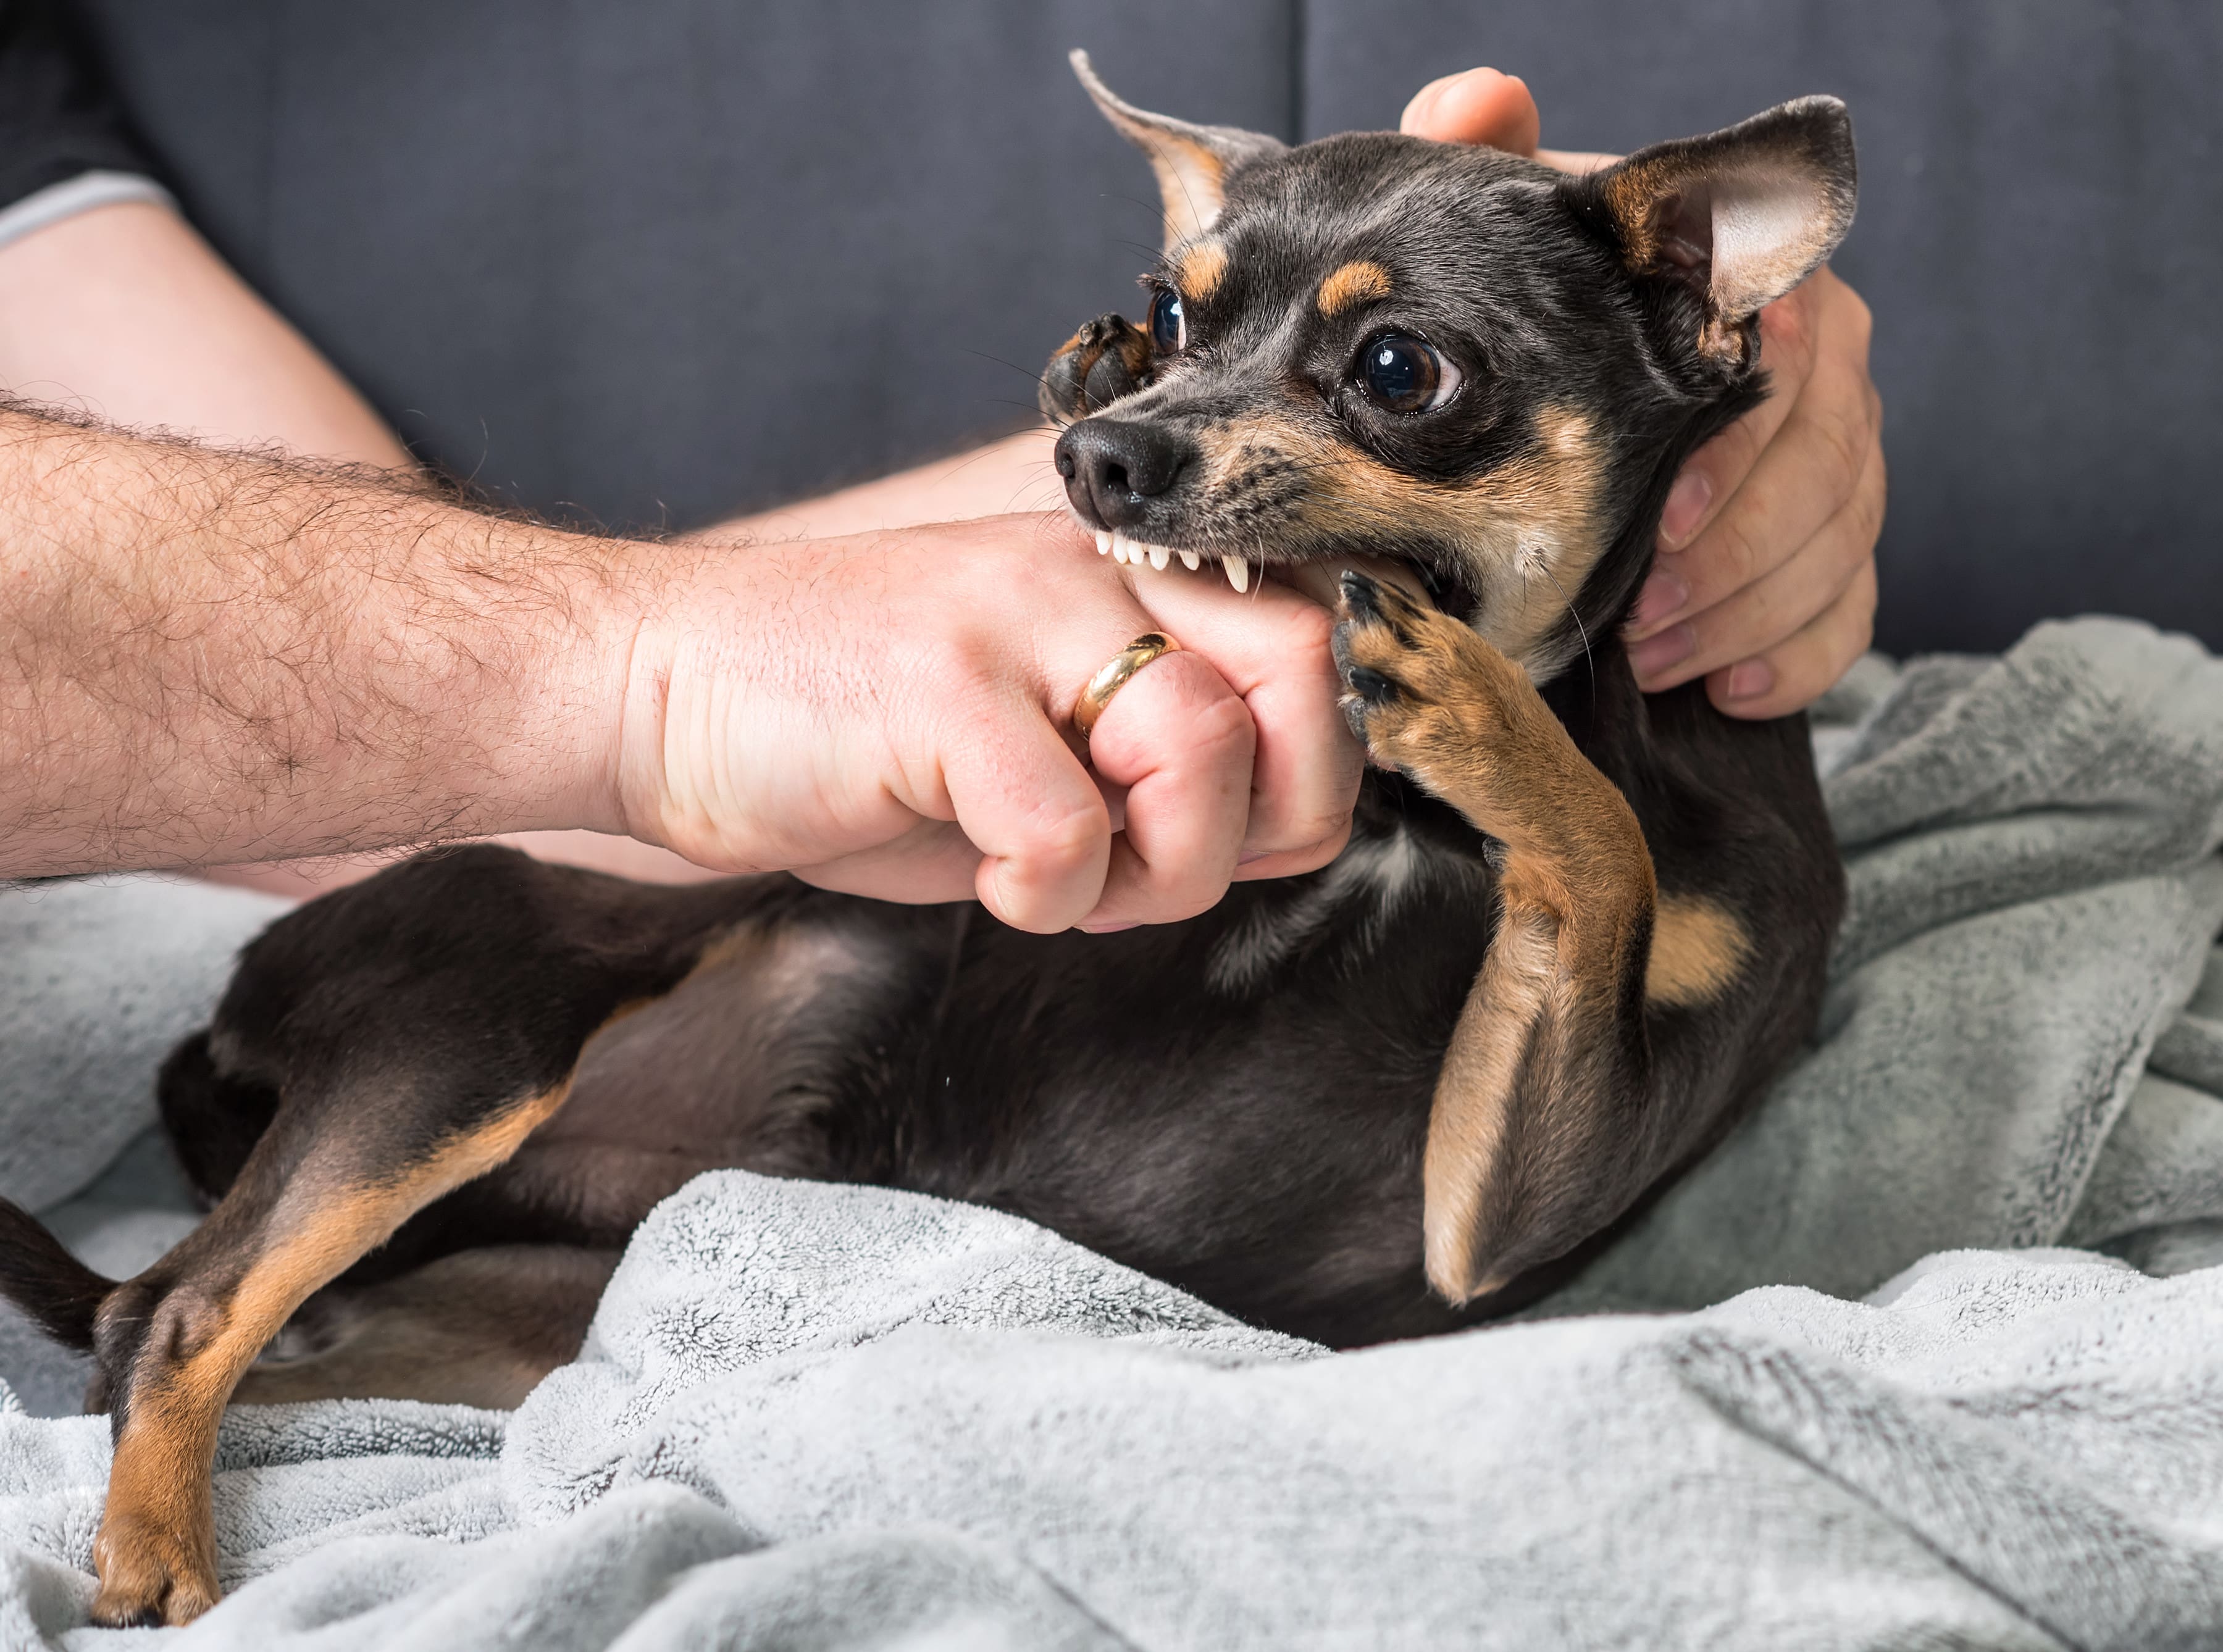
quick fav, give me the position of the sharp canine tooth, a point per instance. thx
(1160, 556)
(1238, 572)
(1192, 561)
(1103, 541)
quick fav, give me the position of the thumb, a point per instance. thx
(1480, 106)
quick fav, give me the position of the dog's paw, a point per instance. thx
(1425, 694)
(1107, 359)
(150, 1576)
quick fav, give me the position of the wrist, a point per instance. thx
(668, 636)
(591, 700)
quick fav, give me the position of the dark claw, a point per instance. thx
(1361, 597)
(1371, 686)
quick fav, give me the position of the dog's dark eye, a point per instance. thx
(1406, 374)
(1168, 326)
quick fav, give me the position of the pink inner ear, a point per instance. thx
(1744, 237)
(1770, 228)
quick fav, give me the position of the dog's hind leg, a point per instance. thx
(415, 1030)
(473, 1328)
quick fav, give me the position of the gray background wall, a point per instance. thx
(653, 262)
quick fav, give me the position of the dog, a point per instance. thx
(1575, 933)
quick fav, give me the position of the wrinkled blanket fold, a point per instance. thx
(826, 1417)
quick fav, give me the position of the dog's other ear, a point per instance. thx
(1192, 162)
(1740, 215)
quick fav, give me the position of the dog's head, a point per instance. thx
(1379, 345)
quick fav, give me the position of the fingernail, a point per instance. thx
(1253, 858)
(1661, 600)
(1686, 503)
(1751, 679)
(1655, 654)
(1108, 929)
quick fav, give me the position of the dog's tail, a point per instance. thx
(59, 1293)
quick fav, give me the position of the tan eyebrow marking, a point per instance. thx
(1354, 283)
(1201, 269)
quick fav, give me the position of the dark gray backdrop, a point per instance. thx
(650, 262)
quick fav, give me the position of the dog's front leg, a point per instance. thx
(1552, 1111)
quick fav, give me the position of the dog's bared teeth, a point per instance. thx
(1104, 541)
(1118, 547)
(1191, 560)
(1160, 557)
(1238, 572)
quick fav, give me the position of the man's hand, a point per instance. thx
(886, 714)
(1765, 580)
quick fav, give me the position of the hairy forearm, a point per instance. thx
(211, 657)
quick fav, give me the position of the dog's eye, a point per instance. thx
(1168, 326)
(1406, 374)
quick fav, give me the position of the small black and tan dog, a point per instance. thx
(1575, 933)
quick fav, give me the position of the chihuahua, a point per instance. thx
(1576, 931)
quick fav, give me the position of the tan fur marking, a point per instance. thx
(1201, 269)
(1466, 1124)
(1360, 281)
(1531, 529)
(1698, 947)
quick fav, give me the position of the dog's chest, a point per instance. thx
(1411, 871)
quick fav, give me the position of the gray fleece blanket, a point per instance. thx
(834, 1417)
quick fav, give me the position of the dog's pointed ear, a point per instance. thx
(1192, 162)
(1740, 215)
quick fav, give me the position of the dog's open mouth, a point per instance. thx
(1318, 577)
(1121, 548)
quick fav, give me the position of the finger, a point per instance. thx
(1795, 672)
(1272, 647)
(1022, 798)
(1577, 160)
(1710, 477)
(1179, 739)
(1784, 601)
(1815, 465)
(1480, 106)
(933, 862)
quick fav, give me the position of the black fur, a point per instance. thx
(1239, 1104)
(59, 1293)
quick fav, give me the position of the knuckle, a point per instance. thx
(1059, 837)
(1859, 319)
(1738, 549)
(1786, 330)
(1221, 726)
(1846, 437)
(1869, 504)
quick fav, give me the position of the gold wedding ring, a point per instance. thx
(1089, 708)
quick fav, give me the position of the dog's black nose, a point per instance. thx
(1113, 468)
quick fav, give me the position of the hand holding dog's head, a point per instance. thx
(1448, 354)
